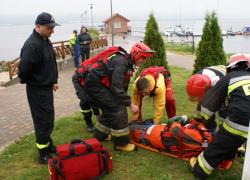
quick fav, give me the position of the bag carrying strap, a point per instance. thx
(166, 76)
(152, 93)
(105, 160)
(140, 107)
(58, 171)
(166, 139)
(78, 141)
(104, 156)
(202, 133)
(180, 141)
(181, 134)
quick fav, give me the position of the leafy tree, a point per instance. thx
(154, 40)
(94, 33)
(218, 55)
(204, 51)
(210, 49)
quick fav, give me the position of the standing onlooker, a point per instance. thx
(74, 44)
(38, 69)
(84, 41)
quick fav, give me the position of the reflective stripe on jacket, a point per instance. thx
(234, 89)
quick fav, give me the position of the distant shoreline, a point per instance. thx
(19, 33)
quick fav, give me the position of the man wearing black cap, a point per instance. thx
(38, 70)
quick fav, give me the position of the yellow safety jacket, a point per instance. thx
(72, 39)
(160, 99)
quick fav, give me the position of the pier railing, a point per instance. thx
(62, 50)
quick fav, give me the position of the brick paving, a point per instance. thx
(15, 117)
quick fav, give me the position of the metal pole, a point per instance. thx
(86, 18)
(82, 19)
(246, 167)
(193, 42)
(91, 7)
(111, 21)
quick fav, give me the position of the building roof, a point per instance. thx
(114, 15)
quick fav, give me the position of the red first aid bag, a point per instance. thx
(80, 160)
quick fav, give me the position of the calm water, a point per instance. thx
(13, 36)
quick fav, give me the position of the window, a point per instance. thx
(118, 25)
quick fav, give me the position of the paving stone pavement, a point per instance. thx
(15, 117)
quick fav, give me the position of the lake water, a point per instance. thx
(13, 36)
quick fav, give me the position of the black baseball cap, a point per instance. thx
(46, 19)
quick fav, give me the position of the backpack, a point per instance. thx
(80, 160)
(176, 140)
(155, 71)
(97, 61)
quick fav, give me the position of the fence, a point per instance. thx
(62, 50)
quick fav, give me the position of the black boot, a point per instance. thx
(52, 148)
(44, 155)
(87, 117)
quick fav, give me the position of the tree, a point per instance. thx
(218, 55)
(210, 49)
(204, 51)
(154, 40)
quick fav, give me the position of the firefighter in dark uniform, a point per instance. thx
(86, 109)
(199, 83)
(107, 87)
(38, 70)
(234, 88)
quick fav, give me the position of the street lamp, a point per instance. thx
(112, 27)
(91, 7)
(86, 18)
(82, 18)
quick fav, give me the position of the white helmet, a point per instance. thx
(236, 58)
(248, 59)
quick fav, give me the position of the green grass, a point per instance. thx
(18, 161)
(184, 49)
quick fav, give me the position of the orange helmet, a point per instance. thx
(235, 59)
(140, 50)
(197, 85)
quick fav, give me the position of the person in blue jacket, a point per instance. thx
(74, 45)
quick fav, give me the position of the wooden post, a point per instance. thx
(63, 50)
(10, 74)
(246, 167)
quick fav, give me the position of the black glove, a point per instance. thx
(148, 121)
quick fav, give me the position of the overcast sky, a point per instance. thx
(128, 8)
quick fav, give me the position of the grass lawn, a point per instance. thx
(183, 49)
(19, 161)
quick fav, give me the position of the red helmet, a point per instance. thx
(236, 58)
(140, 50)
(197, 86)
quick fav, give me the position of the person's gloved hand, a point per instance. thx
(131, 122)
(181, 119)
(241, 151)
(148, 121)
